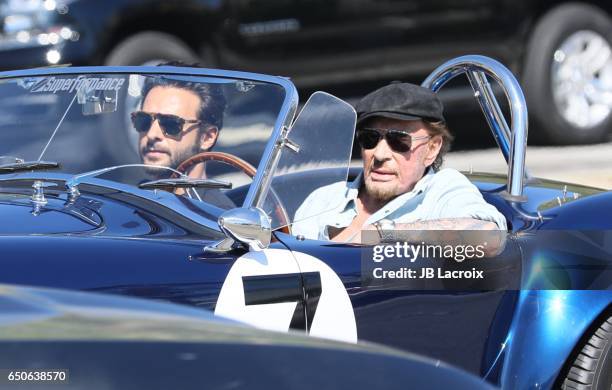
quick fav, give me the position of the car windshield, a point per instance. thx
(147, 122)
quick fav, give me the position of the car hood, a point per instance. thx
(100, 211)
(21, 217)
(108, 240)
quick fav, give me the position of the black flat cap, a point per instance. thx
(402, 101)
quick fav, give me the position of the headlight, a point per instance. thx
(29, 23)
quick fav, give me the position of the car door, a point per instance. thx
(464, 328)
(161, 265)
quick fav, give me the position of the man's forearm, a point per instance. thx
(449, 224)
(456, 231)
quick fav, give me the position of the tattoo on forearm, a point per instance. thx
(458, 231)
(449, 224)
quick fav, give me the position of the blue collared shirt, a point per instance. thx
(438, 195)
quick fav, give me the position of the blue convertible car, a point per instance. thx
(89, 202)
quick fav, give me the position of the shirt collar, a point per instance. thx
(424, 182)
(350, 195)
(352, 190)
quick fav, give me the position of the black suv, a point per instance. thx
(562, 51)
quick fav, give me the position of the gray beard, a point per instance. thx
(382, 196)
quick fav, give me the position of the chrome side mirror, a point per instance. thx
(249, 226)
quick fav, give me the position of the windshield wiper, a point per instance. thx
(185, 182)
(182, 181)
(12, 159)
(28, 166)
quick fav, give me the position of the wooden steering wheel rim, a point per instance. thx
(226, 158)
(244, 166)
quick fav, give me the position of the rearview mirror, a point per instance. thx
(96, 102)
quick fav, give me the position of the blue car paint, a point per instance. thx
(464, 323)
(520, 332)
(548, 323)
(145, 255)
(139, 252)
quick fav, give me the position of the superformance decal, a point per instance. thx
(61, 84)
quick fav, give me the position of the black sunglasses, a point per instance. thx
(398, 140)
(171, 125)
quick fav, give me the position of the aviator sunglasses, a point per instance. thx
(171, 125)
(398, 140)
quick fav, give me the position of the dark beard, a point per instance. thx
(159, 172)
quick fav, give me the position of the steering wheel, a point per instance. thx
(279, 210)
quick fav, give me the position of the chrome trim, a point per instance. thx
(73, 193)
(295, 148)
(261, 182)
(185, 182)
(249, 226)
(163, 198)
(511, 140)
(220, 247)
(28, 166)
(73, 182)
(17, 159)
(38, 195)
(486, 99)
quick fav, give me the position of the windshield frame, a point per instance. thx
(264, 172)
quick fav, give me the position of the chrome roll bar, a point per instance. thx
(511, 140)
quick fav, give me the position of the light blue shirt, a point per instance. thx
(438, 195)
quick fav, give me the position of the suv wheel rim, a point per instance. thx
(582, 79)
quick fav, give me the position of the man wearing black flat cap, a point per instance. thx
(403, 138)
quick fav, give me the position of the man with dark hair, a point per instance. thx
(178, 119)
(403, 138)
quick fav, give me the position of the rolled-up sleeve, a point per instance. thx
(457, 197)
